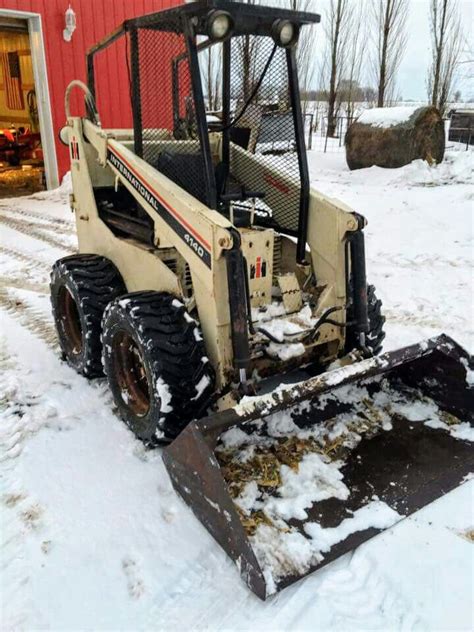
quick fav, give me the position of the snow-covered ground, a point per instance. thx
(419, 240)
(94, 538)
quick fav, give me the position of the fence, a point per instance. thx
(316, 128)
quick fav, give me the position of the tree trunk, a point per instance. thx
(439, 39)
(209, 79)
(332, 82)
(246, 63)
(383, 60)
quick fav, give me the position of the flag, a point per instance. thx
(10, 63)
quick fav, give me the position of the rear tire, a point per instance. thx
(156, 365)
(81, 288)
(376, 334)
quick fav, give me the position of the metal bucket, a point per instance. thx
(404, 464)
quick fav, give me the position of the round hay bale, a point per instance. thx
(393, 137)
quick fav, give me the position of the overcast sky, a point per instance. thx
(412, 74)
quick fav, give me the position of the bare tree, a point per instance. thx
(252, 54)
(354, 54)
(337, 26)
(247, 52)
(211, 74)
(446, 46)
(389, 36)
(370, 95)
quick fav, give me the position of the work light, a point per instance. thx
(219, 25)
(284, 33)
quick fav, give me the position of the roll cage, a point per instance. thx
(170, 125)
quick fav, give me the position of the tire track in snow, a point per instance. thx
(29, 317)
(36, 231)
(409, 318)
(362, 597)
(20, 283)
(11, 410)
(57, 224)
(391, 261)
(351, 594)
(195, 584)
(20, 514)
(12, 495)
(25, 258)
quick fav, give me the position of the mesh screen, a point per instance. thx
(263, 156)
(112, 84)
(165, 115)
(263, 153)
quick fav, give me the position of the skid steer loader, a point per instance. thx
(226, 300)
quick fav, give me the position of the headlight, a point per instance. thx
(219, 25)
(285, 33)
(64, 135)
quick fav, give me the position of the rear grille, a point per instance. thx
(178, 266)
(187, 282)
(172, 264)
(276, 254)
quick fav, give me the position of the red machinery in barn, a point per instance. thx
(18, 144)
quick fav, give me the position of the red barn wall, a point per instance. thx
(66, 60)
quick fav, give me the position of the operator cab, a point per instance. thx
(216, 108)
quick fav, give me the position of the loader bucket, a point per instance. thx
(289, 481)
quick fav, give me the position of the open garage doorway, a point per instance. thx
(24, 111)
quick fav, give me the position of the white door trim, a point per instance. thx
(40, 75)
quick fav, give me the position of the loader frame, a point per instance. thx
(181, 222)
(205, 240)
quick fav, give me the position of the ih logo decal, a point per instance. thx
(258, 269)
(74, 149)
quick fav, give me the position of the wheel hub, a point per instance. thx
(131, 375)
(70, 320)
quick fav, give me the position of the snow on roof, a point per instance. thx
(387, 117)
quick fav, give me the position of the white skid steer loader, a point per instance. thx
(208, 267)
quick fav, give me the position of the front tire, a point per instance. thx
(156, 366)
(81, 288)
(376, 334)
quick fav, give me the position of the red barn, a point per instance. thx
(38, 59)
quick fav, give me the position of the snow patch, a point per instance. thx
(337, 376)
(376, 515)
(286, 351)
(234, 437)
(469, 373)
(387, 117)
(316, 479)
(247, 500)
(197, 335)
(201, 386)
(282, 553)
(163, 393)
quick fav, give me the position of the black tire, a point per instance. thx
(375, 335)
(156, 364)
(81, 288)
